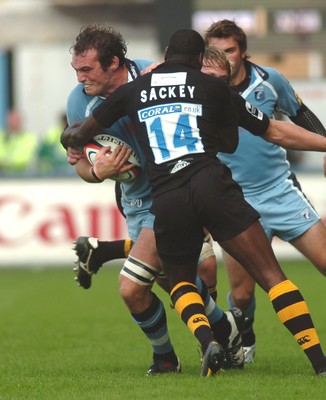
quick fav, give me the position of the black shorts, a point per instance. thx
(211, 199)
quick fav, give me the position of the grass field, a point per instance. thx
(59, 341)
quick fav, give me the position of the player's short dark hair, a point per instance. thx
(186, 42)
(105, 40)
(226, 28)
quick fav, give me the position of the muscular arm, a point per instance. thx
(80, 132)
(282, 133)
(294, 137)
(83, 169)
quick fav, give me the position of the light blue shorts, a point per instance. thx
(285, 211)
(138, 215)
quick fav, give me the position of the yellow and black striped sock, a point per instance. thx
(293, 312)
(127, 246)
(189, 305)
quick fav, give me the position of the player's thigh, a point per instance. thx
(312, 244)
(145, 248)
(138, 215)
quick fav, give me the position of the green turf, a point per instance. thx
(59, 341)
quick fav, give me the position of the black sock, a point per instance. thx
(108, 251)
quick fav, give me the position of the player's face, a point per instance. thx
(216, 71)
(234, 55)
(90, 73)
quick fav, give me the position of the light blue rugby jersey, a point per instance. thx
(80, 105)
(257, 165)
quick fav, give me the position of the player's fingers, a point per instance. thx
(124, 155)
(121, 154)
(126, 167)
(73, 155)
(104, 150)
(117, 150)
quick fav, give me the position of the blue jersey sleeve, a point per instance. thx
(288, 102)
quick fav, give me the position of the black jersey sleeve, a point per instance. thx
(308, 120)
(116, 103)
(250, 117)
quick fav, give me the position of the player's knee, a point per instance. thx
(136, 280)
(206, 254)
(135, 296)
(139, 272)
(242, 297)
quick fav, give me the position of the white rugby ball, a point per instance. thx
(105, 140)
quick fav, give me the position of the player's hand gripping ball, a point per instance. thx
(105, 140)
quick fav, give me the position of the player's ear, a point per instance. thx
(115, 63)
(201, 59)
(165, 53)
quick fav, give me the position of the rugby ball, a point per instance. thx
(105, 140)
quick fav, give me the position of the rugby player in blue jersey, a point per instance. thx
(98, 57)
(262, 170)
(183, 117)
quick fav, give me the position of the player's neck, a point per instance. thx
(119, 79)
(240, 76)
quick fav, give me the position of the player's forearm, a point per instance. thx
(294, 137)
(83, 169)
(79, 133)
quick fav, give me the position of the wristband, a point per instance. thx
(95, 176)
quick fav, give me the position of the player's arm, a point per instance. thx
(308, 120)
(106, 166)
(104, 116)
(282, 133)
(80, 132)
(294, 137)
(74, 155)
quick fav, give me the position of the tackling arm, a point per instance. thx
(294, 137)
(80, 132)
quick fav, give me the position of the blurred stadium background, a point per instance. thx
(41, 215)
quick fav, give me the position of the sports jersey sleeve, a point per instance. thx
(250, 117)
(116, 103)
(288, 102)
(308, 120)
(74, 106)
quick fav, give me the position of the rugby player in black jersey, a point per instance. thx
(183, 118)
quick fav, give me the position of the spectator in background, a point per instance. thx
(18, 147)
(52, 157)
